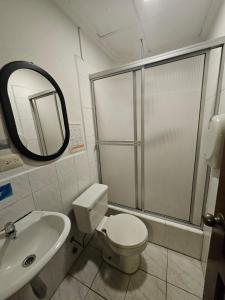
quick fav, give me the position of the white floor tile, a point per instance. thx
(96, 241)
(93, 296)
(71, 289)
(111, 283)
(143, 286)
(154, 261)
(56, 296)
(174, 293)
(185, 272)
(87, 265)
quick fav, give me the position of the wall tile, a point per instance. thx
(88, 122)
(91, 151)
(48, 198)
(68, 181)
(21, 188)
(213, 71)
(42, 177)
(184, 239)
(82, 67)
(93, 171)
(83, 171)
(16, 211)
(85, 91)
(156, 230)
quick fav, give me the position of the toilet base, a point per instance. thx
(126, 264)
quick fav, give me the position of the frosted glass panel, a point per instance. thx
(114, 107)
(172, 104)
(117, 166)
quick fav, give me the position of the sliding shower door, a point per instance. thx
(148, 125)
(115, 114)
(171, 119)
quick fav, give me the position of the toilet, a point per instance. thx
(124, 236)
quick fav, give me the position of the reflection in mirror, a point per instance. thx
(37, 112)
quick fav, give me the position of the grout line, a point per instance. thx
(32, 192)
(98, 294)
(100, 266)
(130, 276)
(86, 294)
(150, 274)
(84, 284)
(89, 288)
(188, 256)
(127, 287)
(184, 290)
(174, 284)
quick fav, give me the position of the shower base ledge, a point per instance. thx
(183, 238)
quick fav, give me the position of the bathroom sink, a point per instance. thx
(39, 236)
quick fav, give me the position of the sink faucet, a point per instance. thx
(10, 230)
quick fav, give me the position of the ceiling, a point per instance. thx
(128, 30)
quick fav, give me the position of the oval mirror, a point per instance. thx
(34, 111)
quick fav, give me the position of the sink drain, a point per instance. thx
(28, 260)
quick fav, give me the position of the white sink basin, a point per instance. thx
(39, 235)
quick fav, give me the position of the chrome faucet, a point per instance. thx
(10, 230)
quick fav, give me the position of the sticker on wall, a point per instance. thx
(5, 191)
(76, 138)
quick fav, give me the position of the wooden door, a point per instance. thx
(215, 272)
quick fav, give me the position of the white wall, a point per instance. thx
(37, 31)
(217, 29)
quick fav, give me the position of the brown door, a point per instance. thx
(215, 272)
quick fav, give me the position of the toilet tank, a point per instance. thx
(90, 207)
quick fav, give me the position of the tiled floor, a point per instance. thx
(163, 275)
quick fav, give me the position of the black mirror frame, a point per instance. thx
(5, 73)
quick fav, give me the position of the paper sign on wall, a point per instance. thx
(76, 138)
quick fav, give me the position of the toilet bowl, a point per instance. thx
(124, 236)
(124, 239)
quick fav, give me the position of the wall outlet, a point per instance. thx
(10, 161)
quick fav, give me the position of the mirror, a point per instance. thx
(34, 110)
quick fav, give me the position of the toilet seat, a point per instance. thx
(125, 231)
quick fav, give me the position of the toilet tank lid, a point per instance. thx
(89, 197)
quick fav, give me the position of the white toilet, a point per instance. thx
(124, 236)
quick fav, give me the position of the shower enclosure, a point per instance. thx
(150, 122)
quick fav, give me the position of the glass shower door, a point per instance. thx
(171, 119)
(115, 115)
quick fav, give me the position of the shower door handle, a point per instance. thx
(211, 220)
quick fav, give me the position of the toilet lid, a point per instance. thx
(126, 231)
